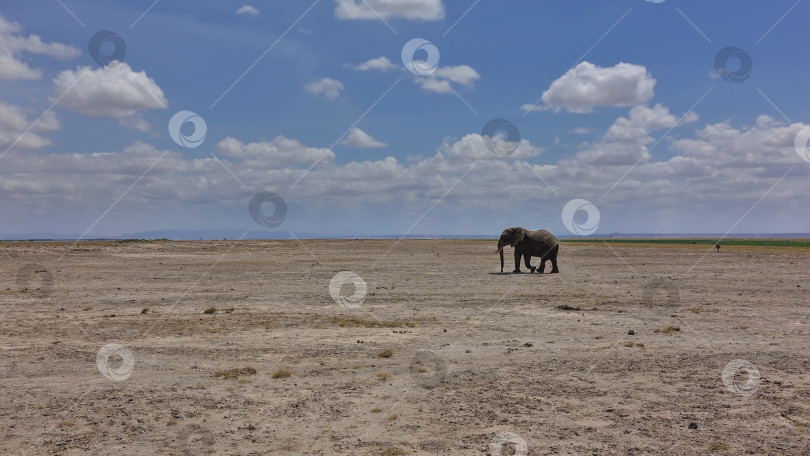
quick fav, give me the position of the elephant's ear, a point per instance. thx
(519, 236)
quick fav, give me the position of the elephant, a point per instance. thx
(528, 243)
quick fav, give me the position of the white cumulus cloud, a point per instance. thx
(473, 146)
(248, 9)
(330, 88)
(113, 91)
(379, 64)
(626, 141)
(359, 138)
(426, 10)
(439, 81)
(279, 151)
(587, 86)
(20, 131)
(12, 44)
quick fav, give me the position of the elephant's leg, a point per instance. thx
(527, 258)
(542, 266)
(518, 254)
(554, 269)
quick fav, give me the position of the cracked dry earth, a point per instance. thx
(442, 357)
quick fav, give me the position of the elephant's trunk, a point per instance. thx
(500, 250)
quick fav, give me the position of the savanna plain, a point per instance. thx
(238, 347)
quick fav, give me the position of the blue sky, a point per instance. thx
(634, 117)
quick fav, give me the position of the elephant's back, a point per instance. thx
(548, 234)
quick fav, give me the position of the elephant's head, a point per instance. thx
(512, 237)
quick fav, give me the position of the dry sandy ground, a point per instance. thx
(476, 358)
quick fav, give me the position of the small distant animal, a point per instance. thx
(717, 246)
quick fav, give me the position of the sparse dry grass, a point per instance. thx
(281, 373)
(395, 452)
(385, 354)
(383, 376)
(718, 447)
(671, 330)
(210, 310)
(234, 374)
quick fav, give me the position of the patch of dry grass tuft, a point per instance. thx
(281, 373)
(233, 374)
